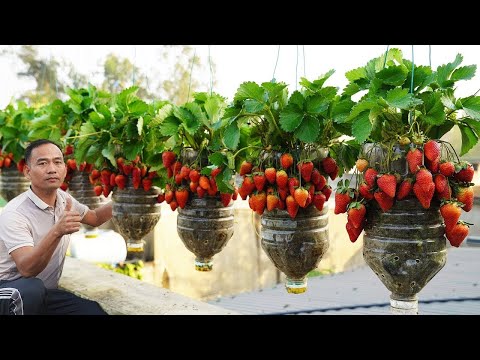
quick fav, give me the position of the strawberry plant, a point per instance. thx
(15, 124)
(195, 160)
(404, 110)
(117, 137)
(288, 147)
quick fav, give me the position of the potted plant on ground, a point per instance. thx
(407, 177)
(199, 169)
(290, 146)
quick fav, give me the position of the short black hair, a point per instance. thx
(35, 144)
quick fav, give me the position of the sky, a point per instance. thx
(239, 63)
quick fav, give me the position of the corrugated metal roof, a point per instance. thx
(454, 290)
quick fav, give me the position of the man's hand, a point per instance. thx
(70, 221)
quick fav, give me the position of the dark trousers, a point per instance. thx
(29, 296)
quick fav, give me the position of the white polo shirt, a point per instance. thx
(25, 221)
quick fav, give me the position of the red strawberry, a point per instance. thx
(315, 177)
(465, 195)
(388, 184)
(235, 194)
(329, 165)
(7, 162)
(385, 201)
(432, 165)
(98, 190)
(194, 175)
(319, 200)
(68, 150)
(327, 191)
(293, 183)
(431, 150)
(106, 190)
(424, 196)
(446, 194)
(305, 168)
(424, 179)
(405, 189)
(185, 171)
(446, 168)
(271, 174)
(281, 178)
(193, 186)
(464, 171)
(168, 158)
(136, 177)
(201, 192)
(301, 195)
(178, 179)
(361, 164)
(259, 179)
(321, 182)
(121, 181)
(333, 175)
(286, 160)
(342, 199)
(371, 177)
(112, 179)
(260, 201)
(169, 172)
(245, 168)
(414, 159)
(458, 233)
(225, 198)
(204, 182)
(441, 183)
(353, 232)
(283, 193)
(247, 187)
(176, 167)
(181, 196)
(169, 196)
(215, 172)
(281, 204)
(160, 198)
(64, 186)
(21, 165)
(364, 191)
(451, 211)
(356, 214)
(147, 184)
(173, 205)
(72, 164)
(272, 201)
(292, 206)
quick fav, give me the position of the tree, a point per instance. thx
(178, 87)
(120, 73)
(45, 72)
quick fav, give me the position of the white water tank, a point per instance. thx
(98, 246)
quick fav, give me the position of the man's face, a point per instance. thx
(46, 169)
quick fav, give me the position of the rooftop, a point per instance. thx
(455, 290)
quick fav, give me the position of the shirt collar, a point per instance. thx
(39, 202)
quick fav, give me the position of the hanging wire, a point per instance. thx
(134, 62)
(296, 71)
(430, 55)
(304, 69)
(276, 62)
(385, 61)
(411, 84)
(211, 71)
(191, 70)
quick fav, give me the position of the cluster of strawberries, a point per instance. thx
(105, 180)
(428, 175)
(6, 160)
(187, 181)
(276, 189)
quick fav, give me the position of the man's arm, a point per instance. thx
(32, 260)
(98, 216)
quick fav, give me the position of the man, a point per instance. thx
(35, 230)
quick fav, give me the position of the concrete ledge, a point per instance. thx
(122, 295)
